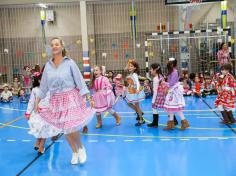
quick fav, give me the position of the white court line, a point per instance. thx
(202, 139)
(121, 112)
(147, 140)
(165, 139)
(189, 110)
(11, 140)
(184, 139)
(59, 141)
(26, 140)
(128, 140)
(207, 117)
(13, 109)
(222, 138)
(111, 140)
(92, 140)
(165, 114)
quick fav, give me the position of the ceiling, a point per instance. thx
(18, 2)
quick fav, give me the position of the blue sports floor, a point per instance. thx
(208, 148)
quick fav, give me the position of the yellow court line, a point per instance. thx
(13, 126)
(193, 128)
(150, 137)
(7, 124)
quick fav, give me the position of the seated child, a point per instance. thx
(23, 97)
(187, 90)
(197, 87)
(16, 86)
(147, 89)
(6, 95)
(209, 87)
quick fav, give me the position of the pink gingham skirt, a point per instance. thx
(103, 100)
(160, 100)
(67, 111)
(161, 95)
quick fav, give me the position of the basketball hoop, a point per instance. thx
(193, 3)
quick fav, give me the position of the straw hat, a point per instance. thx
(5, 85)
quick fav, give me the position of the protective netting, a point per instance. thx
(112, 30)
(110, 35)
(22, 42)
(199, 50)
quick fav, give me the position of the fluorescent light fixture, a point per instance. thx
(43, 5)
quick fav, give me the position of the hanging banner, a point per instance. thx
(116, 55)
(19, 53)
(125, 45)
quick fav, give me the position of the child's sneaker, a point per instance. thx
(75, 158)
(140, 123)
(82, 155)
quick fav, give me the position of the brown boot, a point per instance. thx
(99, 124)
(170, 125)
(41, 150)
(117, 117)
(85, 130)
(184, 124)
(36, 145)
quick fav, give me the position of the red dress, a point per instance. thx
(226, 92)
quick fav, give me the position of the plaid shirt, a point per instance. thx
(223, 57)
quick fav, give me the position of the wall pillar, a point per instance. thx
(84, 34)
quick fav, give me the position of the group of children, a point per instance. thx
(168, 94)
(21, 89)
(194, 85)
(199, 85)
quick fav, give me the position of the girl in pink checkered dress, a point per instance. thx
(159, 92)
(103, 96)
(67, 108)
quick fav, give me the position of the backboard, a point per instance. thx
(179, 2)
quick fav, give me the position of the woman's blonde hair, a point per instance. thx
(62, 44)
